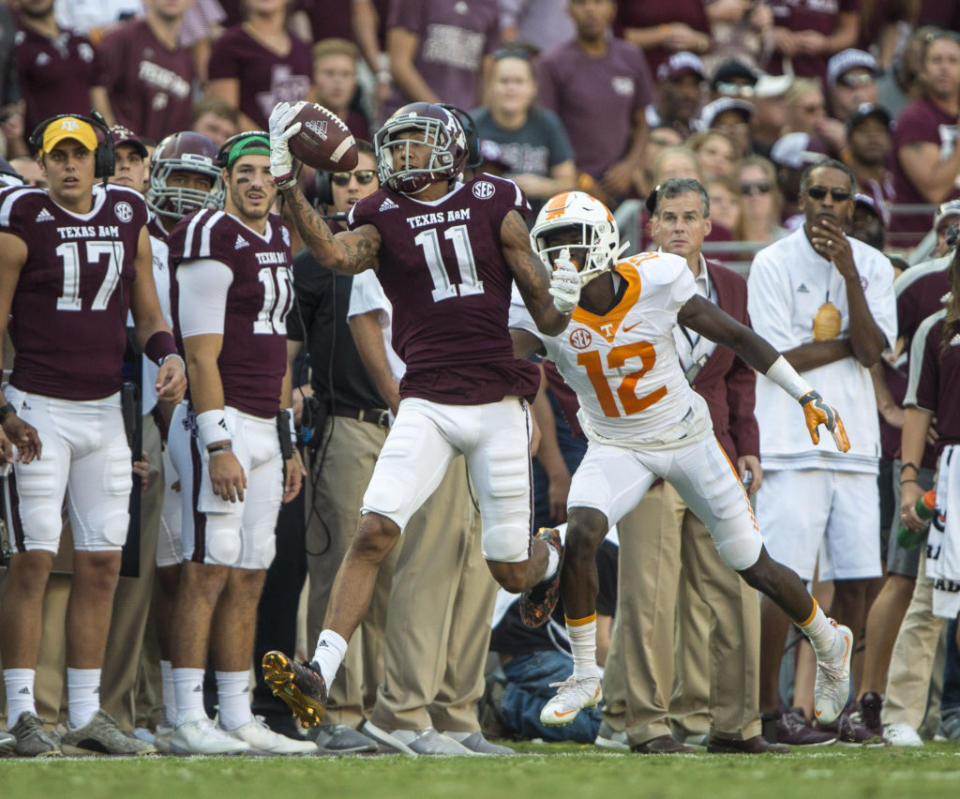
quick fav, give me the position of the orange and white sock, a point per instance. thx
(819, 630)
(583, 645)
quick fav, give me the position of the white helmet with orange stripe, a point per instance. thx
(598, 238)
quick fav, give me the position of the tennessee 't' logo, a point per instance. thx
(580, 338)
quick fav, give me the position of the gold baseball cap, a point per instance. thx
(68, 128)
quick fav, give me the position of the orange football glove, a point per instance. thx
(816, 412)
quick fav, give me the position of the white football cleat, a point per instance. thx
(573, 695)
(260, 737)
(901, 735)
(832, 688)
(198, 735)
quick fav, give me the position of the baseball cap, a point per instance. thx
(877, 208)
(713, 109)
(678, 64)
(868, 111)
(851, 58)
(729, 71)
(68, 128)
(123, 135)
(796, 150)
(772, 85)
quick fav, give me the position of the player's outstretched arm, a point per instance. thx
(530, 275)
(350, 252)
(717, 325)
(13, 256)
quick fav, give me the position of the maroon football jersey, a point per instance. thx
(55, 75)
(150, 87)
(69, 311)
(254, 355)
(442, 269)
(939, 385)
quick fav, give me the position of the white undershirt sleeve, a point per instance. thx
(203, 286)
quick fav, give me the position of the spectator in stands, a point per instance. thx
(807, 113)
(533, 143)
(740, 29)
(715, 151)
(945, 223)
(369, 19)
(662, 29)
(658, 140)
(896, 87)
(869, 221)
(599, 87)
(733, 78)
(56, 68)
(926, 162)
(335, 82)
(131, 161)
(440, 50)
(95, 17)
(869, 145)
(792, 154)
(202, 23)
(146, 77)
(851, 82)
(662, 539)
(257, 64)
(542, 23)
(760, 201)
(215, 119)
(807, 33)
(679, 92)
(724, 194)
(769, 112)
(826, 301)
(731, 117)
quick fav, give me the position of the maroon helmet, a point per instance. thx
(184, 152)
(442, 132)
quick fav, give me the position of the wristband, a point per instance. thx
(785, 376)
(904, 482)
(166, 358)
(907, 465)
(293, 427)
(5, 411)
(220, 449)
(160, 345)
(212, 427)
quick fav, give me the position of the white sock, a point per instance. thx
(583, 645)
(329, 654)
(233, 694)
(83, 696)
(188, 688)
(553, 563)
(820, 631)
(19, 685)
(169, 694)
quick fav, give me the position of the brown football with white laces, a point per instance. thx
(323, 141)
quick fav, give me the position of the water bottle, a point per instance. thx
(925, 507)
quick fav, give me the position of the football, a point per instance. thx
(323, 141)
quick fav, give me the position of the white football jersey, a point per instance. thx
(624, 366)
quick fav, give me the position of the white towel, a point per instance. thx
(943, 540)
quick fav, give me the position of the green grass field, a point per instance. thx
(557, 772)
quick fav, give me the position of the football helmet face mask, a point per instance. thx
(599, 236)
(442, 135)
(184, 152)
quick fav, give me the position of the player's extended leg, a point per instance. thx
(709, 484)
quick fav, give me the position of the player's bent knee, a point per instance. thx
(223, 541)
(506, 544)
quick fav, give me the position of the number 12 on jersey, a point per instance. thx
(627, 390)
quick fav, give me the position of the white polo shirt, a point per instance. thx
(788, 284)
(366, 295)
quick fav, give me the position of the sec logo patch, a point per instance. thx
(580, 338)
(483, 190)
(123, 211)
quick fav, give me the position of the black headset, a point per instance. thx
(323, 188)
(103, 157)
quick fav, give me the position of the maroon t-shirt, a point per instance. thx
(69, 313)
(253, 359)
(921, 121)
(939, 385)
(442, 268)
(150, 87)
(808, 15)
(265, 77)
(55, 75)
(648, 14)
(595, 99)
(453, 38)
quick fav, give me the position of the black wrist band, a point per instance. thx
(5, 411)
(908, 465)
(904, 482)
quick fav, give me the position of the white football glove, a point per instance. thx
(565, 283)
(281, 160)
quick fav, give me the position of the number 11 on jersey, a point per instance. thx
(627, 390)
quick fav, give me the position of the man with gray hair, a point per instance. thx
(666, 549)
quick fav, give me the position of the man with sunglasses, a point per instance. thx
(851, 82)
(826, 301)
